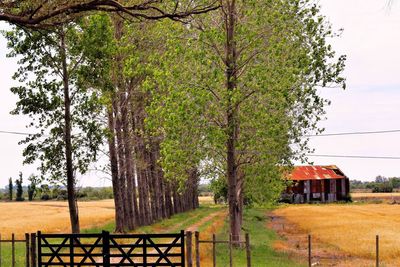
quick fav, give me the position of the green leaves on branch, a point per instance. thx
(283, 58)
(41, 95)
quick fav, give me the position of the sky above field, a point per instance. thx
(371, 102)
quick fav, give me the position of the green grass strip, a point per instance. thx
(261, 240)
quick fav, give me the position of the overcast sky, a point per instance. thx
(371, 102)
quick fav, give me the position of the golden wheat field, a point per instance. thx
(50, 216)
(350, 228)
(206, 200)
(367, 194)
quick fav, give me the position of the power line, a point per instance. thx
(353, 133)
(17, 133)
(352, 156)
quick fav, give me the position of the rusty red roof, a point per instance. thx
(316, 173)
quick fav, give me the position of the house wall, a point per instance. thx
(324, 190)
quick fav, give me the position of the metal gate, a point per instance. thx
(106, 250)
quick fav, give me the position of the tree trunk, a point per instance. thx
(121, 167)
(72, 201)
(148, 186)
(156, 182)
(142, 163)
(129, 168)
(162, 194)
(119, 208)
(168, 200)
(194, 197)
(232, 122)
(126, 157)
(138, 167)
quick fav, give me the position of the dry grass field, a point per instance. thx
(350, 228)
(207, 200)
(376, 197)
(51, 216)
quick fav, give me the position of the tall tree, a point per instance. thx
(20, 190)
(10, 189)
(249, 95)
(32, 187)
(61, 109)
(143, 195)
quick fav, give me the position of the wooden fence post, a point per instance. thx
(13, 249)
(106, 248)
(39, 248)
(183, 254)
(309, 250)
(214, 250)
(71, 250)
(197, 248)
(248, 251)
(230, 250)
(27, 260)
(377, 250)
(0, 250)
(33, 250)
(189, 249)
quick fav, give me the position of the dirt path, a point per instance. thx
(294, 242)
(195, 226)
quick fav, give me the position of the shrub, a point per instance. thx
(45, 197)
(382, 188)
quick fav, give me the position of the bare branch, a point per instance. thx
(48, 13)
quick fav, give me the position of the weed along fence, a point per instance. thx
(213, 241)
(318, 260)
(112, 250)
(179, 249)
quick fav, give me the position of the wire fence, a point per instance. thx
(212, 250)
(193, 249)
(17, 252)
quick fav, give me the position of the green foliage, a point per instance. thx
(380, 185)
(382, 188)
(32, 187)
(205, 190)
(41, 97)
(219, 188)
(44, 192)
(20, 190)
(394, 182)
(283, 58)
(95, 193)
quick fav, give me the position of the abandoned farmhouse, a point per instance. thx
(317, 183)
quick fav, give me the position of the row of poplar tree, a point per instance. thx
(79, 89)
(228, 94)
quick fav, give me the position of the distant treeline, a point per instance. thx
(46, 192)
(380, 185)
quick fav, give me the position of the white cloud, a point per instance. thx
(372, 101)
(370, 39)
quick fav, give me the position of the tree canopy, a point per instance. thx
(236, 92)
